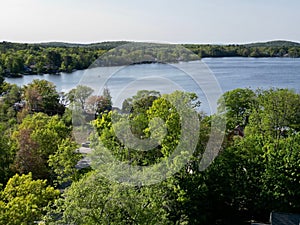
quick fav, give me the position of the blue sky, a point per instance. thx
(189, 21)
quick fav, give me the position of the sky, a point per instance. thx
(167, 21)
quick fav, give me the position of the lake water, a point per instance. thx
(209, 78)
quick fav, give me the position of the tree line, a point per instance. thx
(18, 59)
(256, 171)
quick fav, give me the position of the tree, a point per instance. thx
(107, 96)
(11, 103)
(13, 94)
(234, 181)
(141, 138)
(14, 64)
(252, 176)
(6, 156)
(277, 112)
(105, 103)
(28, 158)
(99, 104)
(281, 179)
(66, 64)
(79, 95)
(92, 103)
(96, 200)
(1, 76)
(23, 200)
(64, 160)
(256, 174)
(127, 125)
(38, 137)
(53, 60)
(140, 102)
(237, 105)
(41, 96)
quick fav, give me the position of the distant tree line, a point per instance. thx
(251, 50)
(17, 59)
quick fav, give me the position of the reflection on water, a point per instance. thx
(231, 73)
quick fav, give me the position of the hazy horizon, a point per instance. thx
(193, 21)
(140, 41)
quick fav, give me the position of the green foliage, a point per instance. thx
(38, 137)
(44, 58)
(237, 105)
(162, 108)
(6, 156)
(41, 96)
(10, 102)
(96, 200)
(269, 49)
(23, 200)
(277, 111)
(79, 95)
(127, 136)
(140, 102)
(167, 130)
(281, 180)
(255, 177)
(18, 59)
(64, 160)
(259, 173)
(254, 174)
(234, 179)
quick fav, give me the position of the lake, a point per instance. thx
(209, 78)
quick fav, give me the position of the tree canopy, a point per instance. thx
(23, 200)
(17, 59)
(255, 173)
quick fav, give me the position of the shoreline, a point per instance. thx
(58, 73)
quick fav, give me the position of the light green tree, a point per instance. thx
(23, 200)
(96, 200)
(277, 111)
(64, 160)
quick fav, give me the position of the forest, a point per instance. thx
(257, 170)
(18, 59)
